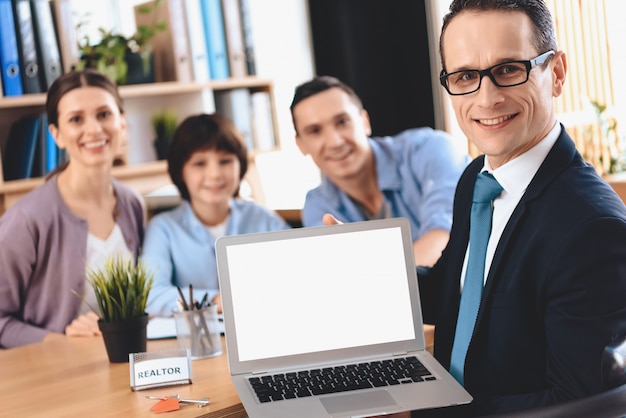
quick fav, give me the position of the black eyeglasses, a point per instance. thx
(506, 74)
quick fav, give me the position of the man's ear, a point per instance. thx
(559, 70)
(367, 127)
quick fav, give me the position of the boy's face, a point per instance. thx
(334, 131)
(503, 122)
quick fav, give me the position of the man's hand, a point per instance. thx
(329, 219)
(84, 326)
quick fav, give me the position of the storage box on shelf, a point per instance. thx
(140, 101)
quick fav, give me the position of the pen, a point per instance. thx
(191, 304)
(203, 302)
(182, 298)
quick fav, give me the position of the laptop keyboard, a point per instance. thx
(339, 379)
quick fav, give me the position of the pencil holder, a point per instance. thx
(198, 330)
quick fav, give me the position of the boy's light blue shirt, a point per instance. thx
(180, 250)
(417, 171)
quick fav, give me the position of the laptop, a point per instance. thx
(303, 303)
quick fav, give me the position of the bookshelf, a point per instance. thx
(140, 100)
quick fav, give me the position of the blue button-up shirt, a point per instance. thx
(417, 172)
(180, 250)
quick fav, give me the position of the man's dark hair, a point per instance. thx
(317, 85)
(536, 10)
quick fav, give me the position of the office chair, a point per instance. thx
(611, 403)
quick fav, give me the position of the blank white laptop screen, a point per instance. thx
(313, 294)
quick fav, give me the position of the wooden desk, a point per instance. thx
(72, 377)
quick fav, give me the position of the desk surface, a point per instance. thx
(72, 377)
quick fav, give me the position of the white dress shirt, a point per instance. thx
(514, 177)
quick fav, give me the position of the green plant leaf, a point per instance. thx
(121, 288)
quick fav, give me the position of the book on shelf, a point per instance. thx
(66, 33)
(234, 38)
(197, 41)
(262, 121)
(9, 55)
(172, 61)
(215, 38)
(46, 40)
(235, 105)
(19, 155)
(27, 47)
(248, 40)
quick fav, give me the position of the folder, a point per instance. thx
(262, 121)
(234, 38)
(172, 61)
(46, 40)
(197, 41)
(52, 150)
(66, 28)
(19, 155)
(27, 47)
(9, 55)
(46, 153)
(235, 105)
(248, 40)
(215, 38)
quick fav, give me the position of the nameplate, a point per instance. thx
(160, 368)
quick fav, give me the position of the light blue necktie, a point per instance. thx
(486, 189)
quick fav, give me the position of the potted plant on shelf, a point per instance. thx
(122, 289)
(126, 60)
(164, 125)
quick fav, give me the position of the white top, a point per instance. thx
(219, 230)
(98, 251)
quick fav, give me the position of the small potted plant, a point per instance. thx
(164, 125)
(126, 60)
(122, 289)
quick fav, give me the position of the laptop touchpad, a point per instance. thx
(360, 401)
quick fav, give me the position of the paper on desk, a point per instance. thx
(165, 327)
(161, 327)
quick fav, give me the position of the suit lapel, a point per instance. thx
(558, 159)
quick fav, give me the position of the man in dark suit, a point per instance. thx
(554, 291)
(555, 278)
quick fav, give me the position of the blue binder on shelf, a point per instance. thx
(46, 153)
(19, 155)
(27, 47)
(46, 40)
(9, 55)
(215, 37)
(52, 150)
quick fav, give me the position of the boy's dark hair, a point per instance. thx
(200, 133)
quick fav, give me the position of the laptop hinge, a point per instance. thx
(258, 372)
(404, 353)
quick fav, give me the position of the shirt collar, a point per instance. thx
(515, 175)
(386, 167)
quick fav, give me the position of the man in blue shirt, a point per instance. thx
(412, 175)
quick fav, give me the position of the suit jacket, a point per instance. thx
(555, 294)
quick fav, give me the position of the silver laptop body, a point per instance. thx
(315, 298)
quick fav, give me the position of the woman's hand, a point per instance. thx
(84, 326)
